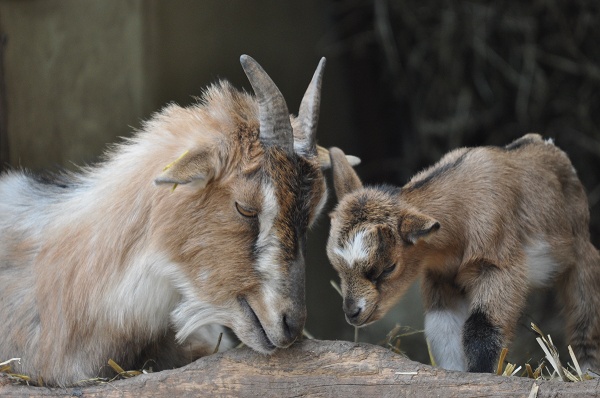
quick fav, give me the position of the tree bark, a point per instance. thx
(313, 368)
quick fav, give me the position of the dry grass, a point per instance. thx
(555, 371)
(394, 337)
(5, 367)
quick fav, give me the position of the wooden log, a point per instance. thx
(317, 369)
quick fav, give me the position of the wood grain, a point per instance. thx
(313, 368)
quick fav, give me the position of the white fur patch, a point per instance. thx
(266, 263)
(191, 314)
(444, 330)
(272, 301)
(354, 250)
(158, 293)
(269, 211)
(361, 303)
(208, 336)
(23, 206)
(146, 296)
(541, 266)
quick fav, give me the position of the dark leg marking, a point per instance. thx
(482, 343)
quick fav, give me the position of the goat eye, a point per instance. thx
(375, 277)
(388, 270)
(249, 213)
(371, 275)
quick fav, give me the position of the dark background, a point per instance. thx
(405, 82)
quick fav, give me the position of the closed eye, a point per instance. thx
(245, 211)
(388, 270)
(375, 276)
(372, 275)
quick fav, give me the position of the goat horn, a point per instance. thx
(275, 126)
(309, 109)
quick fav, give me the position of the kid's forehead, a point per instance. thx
(353, 250)
(350, 219)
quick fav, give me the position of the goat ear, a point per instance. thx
(325, 159)
(197, 167)
(345, 179)
(415, 226)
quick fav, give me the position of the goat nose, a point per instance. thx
(292, 328)
(351, 309)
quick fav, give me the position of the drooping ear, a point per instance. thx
(345, 179)
(196, 167)
(415, 226)
(325, 159)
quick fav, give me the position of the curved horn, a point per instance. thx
(309, 111)
(275, 126)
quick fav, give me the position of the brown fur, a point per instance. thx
(482, 226)
(108, 265)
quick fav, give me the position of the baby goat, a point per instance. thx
(135, 261)
(481, 227)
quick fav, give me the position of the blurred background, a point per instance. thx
(405, 82)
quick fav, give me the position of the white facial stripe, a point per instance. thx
(266, 218)
(541, 267)
(443, 329)
(266, 262)
(354, 250)
(272, 301)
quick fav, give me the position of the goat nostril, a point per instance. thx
(351, 309)
(354, 312)
(290, 328)
(286, 327)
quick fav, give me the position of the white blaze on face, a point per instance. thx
(267, 241)
(354, 250)
(267, 263)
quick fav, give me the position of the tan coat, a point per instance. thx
(197, 222)
(482, 227)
